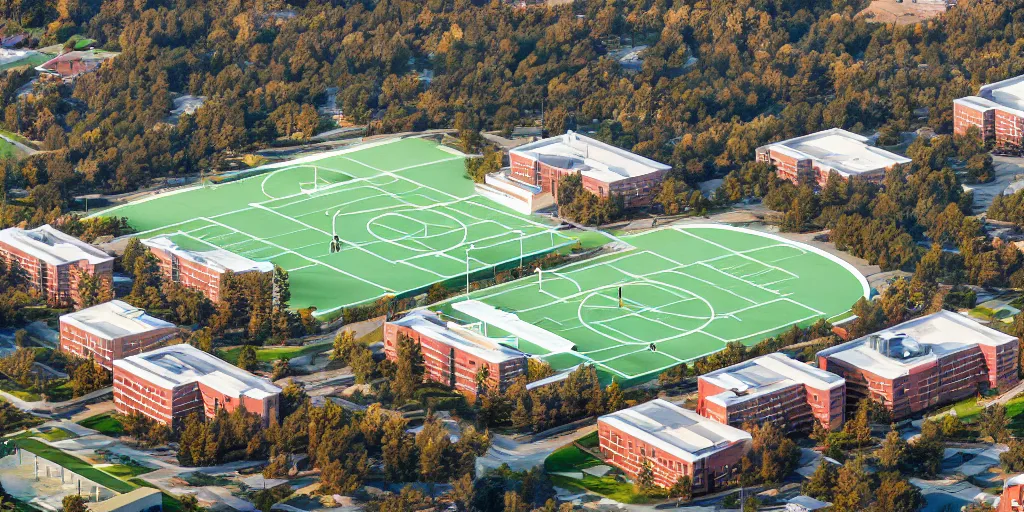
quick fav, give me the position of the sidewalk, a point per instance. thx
(43, 408)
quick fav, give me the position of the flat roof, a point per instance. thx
(512, 324)
(845, 152)
(1006, 95)
(591, 157)
(454, 335)
(765, 374)
(114, 319)
(939, 333)
(179, 365)
(52, 246)
(216, 259)
(122, 500)
(681, 432)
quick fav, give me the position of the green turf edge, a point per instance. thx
(74, 464)
(104, 423)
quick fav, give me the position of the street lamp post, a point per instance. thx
(470, 248)
(540, 279)
(520, 233)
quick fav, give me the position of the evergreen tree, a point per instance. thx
(247, 358)
(614, 398)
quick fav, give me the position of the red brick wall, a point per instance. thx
(133, 393)
(523, 169)
(965, 117)
(104, 351)
(190, 274)
(627, 453)
(1008, 128)
(440, 361)
(61, 282)
(1011, 494)
(796, 406)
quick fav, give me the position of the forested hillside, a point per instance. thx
(765, 70)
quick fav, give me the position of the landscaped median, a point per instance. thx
(572, 468)
(104, 423)
(275, 353)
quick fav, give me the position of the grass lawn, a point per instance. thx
(126, 471)
(12, 388)
(56, 434)
(590, 440)
(104, 423)
(569, 458)
(74, 464)
(270, 354)
(609, 487)
(982, 312)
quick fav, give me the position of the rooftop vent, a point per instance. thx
(897, 346)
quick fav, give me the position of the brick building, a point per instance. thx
(169, 383)
(201, 270)
(675, 442)
(112, 330)
(774, 388)
(54, 262)
(810, 158)
(453, 355)
(1012, 499)
(997, 111)
(605, 169)
(921, 363)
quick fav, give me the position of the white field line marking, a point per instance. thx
(307, 258)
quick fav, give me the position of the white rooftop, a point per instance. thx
(216, 259)
(1008, 94)
(681, 432)
(845, 152)
(512, 324)
(936, 334)
(591, 157)
(180, 365)
(765, 374)
(52, 246)
(454, 335)
(114, 319)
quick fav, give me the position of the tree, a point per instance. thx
(893, 452)
(1012, 460)
(614, 399)
(189, 503)
(247, 358)
(682, 489)
(408, 369)
(993, 422)
(645, 477)
(74, 503)
(281, 369)
(853, 487)
(896, 494)
(822, 483)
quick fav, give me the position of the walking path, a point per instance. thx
(44, 408)
(21, 147)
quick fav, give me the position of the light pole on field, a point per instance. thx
(540, 279)
(470, 248)
(520, 233)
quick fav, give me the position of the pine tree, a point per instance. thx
(614, 399)
(645, 477)
(853, 487)
(247, 358)
(821, 485)
(408, 370)
(521, 417)
(893, 452)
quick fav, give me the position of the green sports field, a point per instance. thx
(403, 209)
(686, 292)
